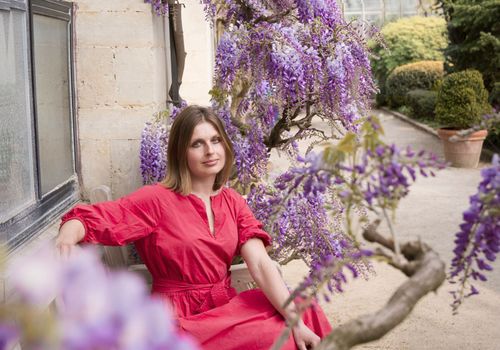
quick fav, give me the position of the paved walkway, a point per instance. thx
(432, 212)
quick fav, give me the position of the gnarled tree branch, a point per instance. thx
(426, 271)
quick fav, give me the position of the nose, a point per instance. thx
(209, 148)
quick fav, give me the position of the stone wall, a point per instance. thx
(121, 80)
(199, 43)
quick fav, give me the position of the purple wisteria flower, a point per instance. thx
(332, 273)
(477, 243)
(96, 309)
(153, 152)
(250, 153)
(154, 142)
(160, 7)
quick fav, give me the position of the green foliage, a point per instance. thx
(422, 103)
(494, 98)
(492, 141)
(407, 40)
(418, 75)
(474, 37)
(462, 100)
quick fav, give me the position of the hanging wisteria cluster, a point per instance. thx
(96, 309)
(477, 244)
(153, 152)
(352, 174)
(153, 149)
(278, 65)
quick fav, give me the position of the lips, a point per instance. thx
(211, 162)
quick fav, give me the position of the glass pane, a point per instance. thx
(53, 101)
(16, 141)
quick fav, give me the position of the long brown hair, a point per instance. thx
(178, 176)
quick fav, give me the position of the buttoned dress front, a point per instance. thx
(190, 265)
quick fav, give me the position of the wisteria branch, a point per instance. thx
(426, 273)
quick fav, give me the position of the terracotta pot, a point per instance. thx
(465, 151)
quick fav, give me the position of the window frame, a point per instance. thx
(30, 221)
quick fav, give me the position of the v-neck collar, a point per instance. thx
(199, 206)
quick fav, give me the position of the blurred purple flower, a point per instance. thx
(9, 334)
(36, 279)
(478, 240)
(97, 309)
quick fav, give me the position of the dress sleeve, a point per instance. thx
(249, 226)
(117, 222)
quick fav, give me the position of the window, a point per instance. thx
(37, 134)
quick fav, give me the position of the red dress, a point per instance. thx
(190, 266)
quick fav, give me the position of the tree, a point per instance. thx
(279, 64)
(474, 37)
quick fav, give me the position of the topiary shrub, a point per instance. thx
(417, 75)
(462, 100)
(407, 40)
(422, 103)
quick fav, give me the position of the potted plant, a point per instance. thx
(461, 102)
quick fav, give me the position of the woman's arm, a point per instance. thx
(117, 222)
(268, 278)
(70, 233)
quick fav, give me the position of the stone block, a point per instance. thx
(197, 79)
(161, 76)
(112, 6)
(113, 123)
(195, 93)
(108, 29)
(135, 76)
(125, 167)
(200, 40)
(95, 160)
(95, 77)
(194, 13)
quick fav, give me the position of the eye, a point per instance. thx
(216, 139)
(196, 144)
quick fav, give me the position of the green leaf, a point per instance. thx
(348, 144)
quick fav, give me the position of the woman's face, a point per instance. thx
(205, 155)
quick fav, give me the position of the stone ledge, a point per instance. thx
(416, 124)
(486, 154)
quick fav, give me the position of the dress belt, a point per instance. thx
(220, 292)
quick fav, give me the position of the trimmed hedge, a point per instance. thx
(462, 100)
(419, 75)
(422, 103)
(407, 40)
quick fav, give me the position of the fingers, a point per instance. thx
(302, 346)
(309, 343)
(315, 342)
(65, 250)
(312, 341)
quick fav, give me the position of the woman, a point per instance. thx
(187, 231)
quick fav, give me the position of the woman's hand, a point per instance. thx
(70, 234)
(304, 337)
